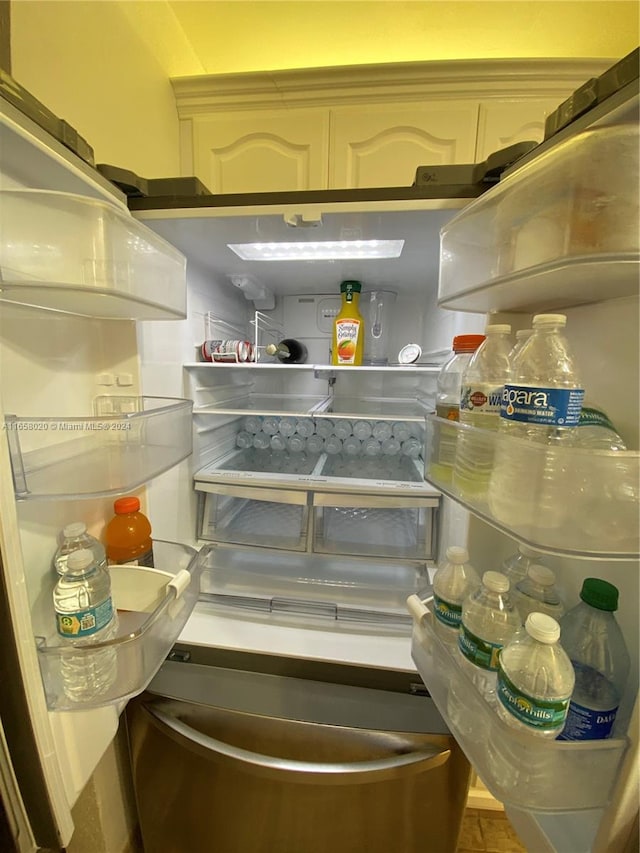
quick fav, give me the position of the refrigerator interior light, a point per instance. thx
(318, 250)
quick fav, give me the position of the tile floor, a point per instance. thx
(488, 832)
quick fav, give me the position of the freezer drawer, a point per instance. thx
(216, 778)
(270, 518)
(401, 528)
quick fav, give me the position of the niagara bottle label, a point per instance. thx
(84, 623)
(536, 713)
(347, 332)
(556, 407)
(447, 613)
(479, 652)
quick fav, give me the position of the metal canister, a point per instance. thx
(227, 351)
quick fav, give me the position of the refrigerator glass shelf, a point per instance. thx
(264, 404)
(123, 443)
(381, 408)
(153, 606)
(521, 771)
(324, 369)
(81, 256)
(561, 230)
(560, 500)
(300, 587)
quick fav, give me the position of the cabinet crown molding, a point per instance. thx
(311, 87)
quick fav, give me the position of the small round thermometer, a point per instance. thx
(409, 354)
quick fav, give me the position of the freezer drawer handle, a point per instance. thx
(309, 772)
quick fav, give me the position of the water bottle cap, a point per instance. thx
(599, 594)
(467, 343)
(78, 560)
(75, 529)
(124, 505)
(542, 575)
(496, 581)
(549, 320)
(456, 554)
(542, 627)
(498, 329)
(523, 333)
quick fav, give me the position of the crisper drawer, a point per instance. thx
(378, 526)
(268, 518)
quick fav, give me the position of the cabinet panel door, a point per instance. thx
(382, 145)
(262, 152)
(504, 123)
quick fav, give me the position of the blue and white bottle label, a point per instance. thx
(556, 407)
(84, 623)
(446, 612)
(587, 723)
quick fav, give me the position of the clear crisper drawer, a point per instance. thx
(153, 606)
(556, 498)
(396, 527)
(83, 256)
(561, 230)
(268, 518)
(520, 770)
(121, 444)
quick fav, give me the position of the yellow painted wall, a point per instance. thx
(89, 65)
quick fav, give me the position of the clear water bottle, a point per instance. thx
(333, 445)
(535, 679)
(391, 446)
(541, 406)
(489, 621)
(244, 439)
(363, 430)
(593, 640)
(342, 428)
(401, 431)
(382, 430)
(287, 427)
(270, 425)
(305, 427)
(412, 448)
(261, 441)
(481, 392)
(454, 580)
(537, 592)
(315, 443)
(76, 538)
(352, 446)
(324, 427)
(296, 444)
(449, 383)
(372, 447)
(516, 566)
(278, 442)
(252, 423)
(522, 336)
(595, 430)
(84, 616)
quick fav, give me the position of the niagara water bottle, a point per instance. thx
(84, 616)
(76, 538)
(535, 679)
(541, 406)
(481, 392)
(593, 640)
(449, 383)
(537, 593)
(454, 580)
(489, 621)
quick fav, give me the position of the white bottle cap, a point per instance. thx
(498, 329)
(75, 529)
(543, 628)
(455, 554)
(78, 560)
(549, 320)
(541, 574)
(495, 581)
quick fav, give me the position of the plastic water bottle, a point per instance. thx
(287, 427)
(516, 566)
(244, 439)
(362, 430)
(449, 383)
(296, 444)
(333, 445)
(315, 443)
(541, 406)
(278, 442)
(391, 446)
(401, 431)
(84, 616)
(535, 679)
(261, 441)
(270, 425)
(593, 640)
(352, 446)
(412, 448)
(252, 423)
(371, 447)
(382, 430)
(522, 336)
(537, 592)
(76, 538)
(454, 580)
(595, 430)
(324, 427)
(481, 392)
(305, 427)
(342, 428)
(489, 621)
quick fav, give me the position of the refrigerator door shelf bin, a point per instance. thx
(123, 443)
(521, 771)
(153, 606)
(550, 233)
(589, 507)
(86, 257)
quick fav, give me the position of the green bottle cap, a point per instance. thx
(350, 287)
(599, 594)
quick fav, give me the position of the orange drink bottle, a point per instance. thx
(128, 535)
(348, 327)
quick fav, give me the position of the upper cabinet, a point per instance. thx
(363, 126)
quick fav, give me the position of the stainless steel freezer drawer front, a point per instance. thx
(211, 779)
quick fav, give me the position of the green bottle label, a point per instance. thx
(479, 652)
(594, 417)
(447, 613)
(536, 713)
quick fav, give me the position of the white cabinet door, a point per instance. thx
(503, 123)
(382, 145)
(272, 151)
